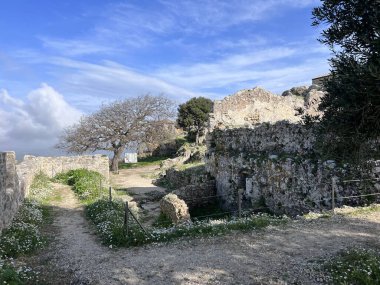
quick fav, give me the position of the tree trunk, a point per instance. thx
(115, 160)
(197, 138)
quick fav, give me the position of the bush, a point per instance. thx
(23, 236)
(85, 183)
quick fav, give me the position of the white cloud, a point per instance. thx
(112, 81)
(34, 124)
(6, 99)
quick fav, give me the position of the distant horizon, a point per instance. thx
(70, 56)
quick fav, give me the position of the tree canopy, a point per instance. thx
(352, 106)
(193, 115)
(117, 125)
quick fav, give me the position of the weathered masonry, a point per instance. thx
(273, 159)
(15, 179)
(11, 191)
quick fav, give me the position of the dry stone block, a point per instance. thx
(174, 208)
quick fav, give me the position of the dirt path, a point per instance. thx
(272, 256)
(137, 185)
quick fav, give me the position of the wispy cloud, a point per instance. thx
(268, 67)
(127, 25)
(77, 47)
(109, 81)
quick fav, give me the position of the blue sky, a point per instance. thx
(62, 59)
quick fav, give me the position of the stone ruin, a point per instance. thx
(16, 178)
(257, 143)
(251, 107)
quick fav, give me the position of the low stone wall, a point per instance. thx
(11, 192)
(31, 165)
(197, 195)
(177, 178)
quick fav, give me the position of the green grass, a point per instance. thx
(162, 221)
(191, 165)
(355, 266)
(85, 183)
(125, 191)
(108, 219)
(17, 276)
(146, 161)
(365, 210)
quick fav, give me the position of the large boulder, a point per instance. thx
(174, 208)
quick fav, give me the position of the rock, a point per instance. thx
(174, 208)
(287, 93)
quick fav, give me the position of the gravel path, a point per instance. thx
(276, 255)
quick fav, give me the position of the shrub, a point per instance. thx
(85, 183)
(23, 236)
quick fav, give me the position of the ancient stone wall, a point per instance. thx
(11, 192)
(194, 185)
(197, 195)
(277, 168)
(265, 138)
(31, 165)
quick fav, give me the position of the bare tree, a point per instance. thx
(116, 125)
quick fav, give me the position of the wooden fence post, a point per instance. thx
(239, 201)
(110, 194)
(333, 185)
(126, 218)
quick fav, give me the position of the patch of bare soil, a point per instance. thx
(277, 255)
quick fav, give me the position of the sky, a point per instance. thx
(60, 60)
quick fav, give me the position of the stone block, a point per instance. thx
(174, 208)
